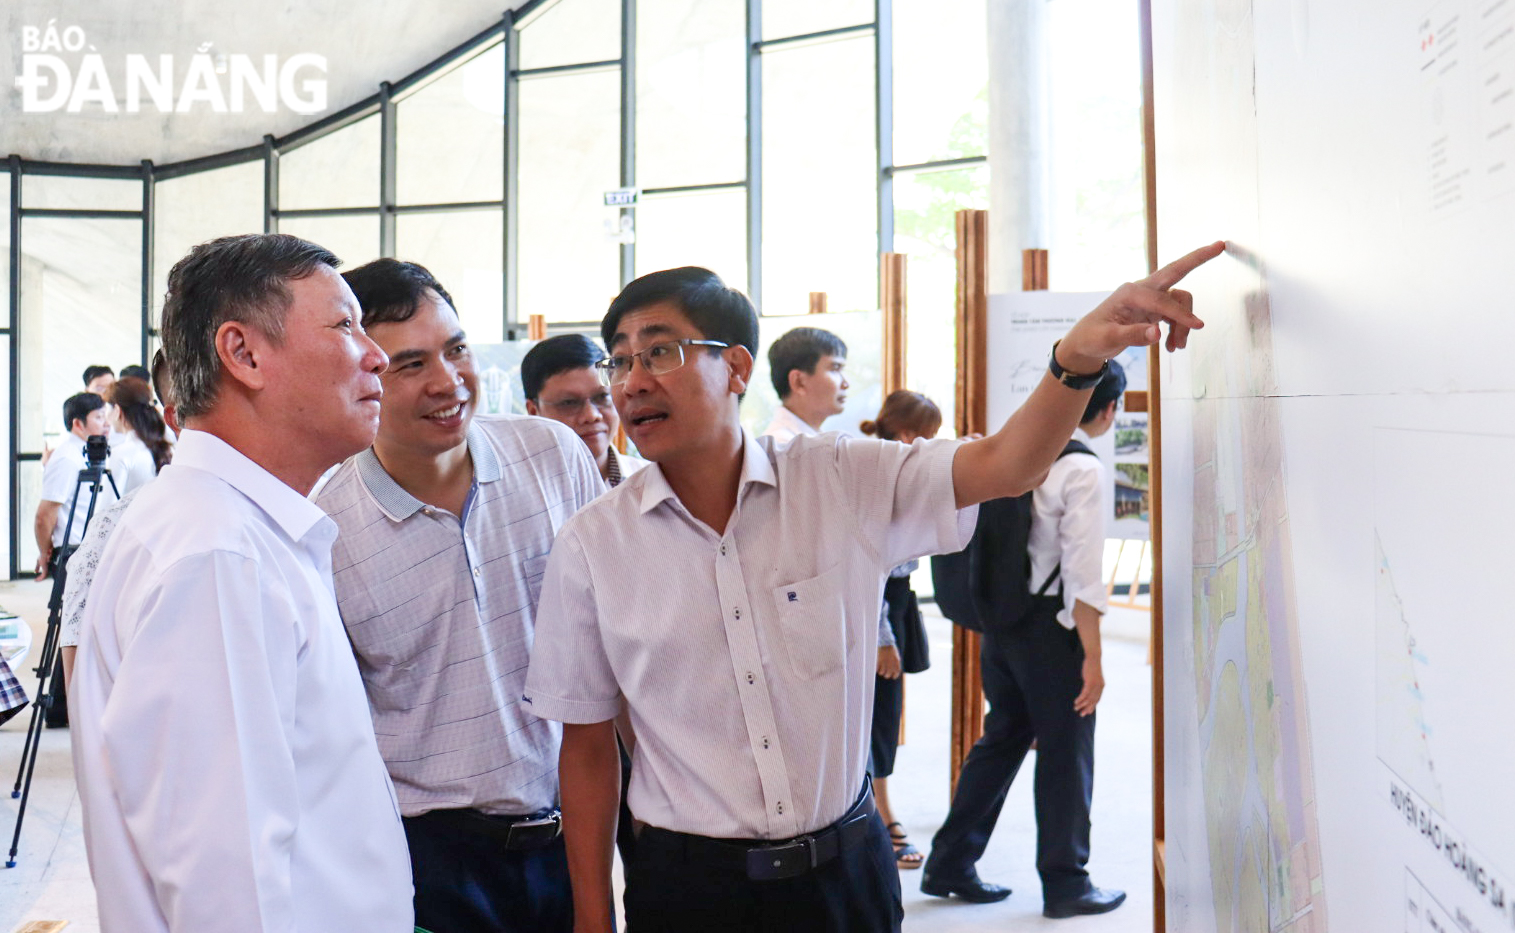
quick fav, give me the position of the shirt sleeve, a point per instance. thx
(60, 476)
(570, 679)
(197, 744)
(885, 630)
(1081, 539)
(903, 497)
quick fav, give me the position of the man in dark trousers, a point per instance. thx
(1043, 679)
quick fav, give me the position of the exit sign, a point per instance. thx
(622, 197)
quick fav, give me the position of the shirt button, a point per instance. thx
(476, 571)
(738, 613)
(723, 550)
(765, 741)
(750, 678)
(781, 807)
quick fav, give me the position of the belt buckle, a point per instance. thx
(794, 857)
(524, 827)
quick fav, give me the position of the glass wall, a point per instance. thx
(491, 169)
(820, 176)
(569, 259)
(7, 410)
(192, 209)
(81, 305)
(1096, 214)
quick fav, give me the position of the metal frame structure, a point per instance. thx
(387, 209)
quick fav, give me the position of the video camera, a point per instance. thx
(96, 449)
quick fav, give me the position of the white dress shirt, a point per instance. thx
(131, 462)
(1068, 527)
(786, 426)
(746, 659)
(441, 613)
(60, 483)
(226, 762)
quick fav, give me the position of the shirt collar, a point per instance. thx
(292, 512)
(1082, 436)
(788, 419)
(756, 468)
(398, 504)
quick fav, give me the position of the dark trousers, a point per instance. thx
(1031, 677)
(888, 708)
(668, 891)
(470, 883)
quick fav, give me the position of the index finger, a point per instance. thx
(1174, 272)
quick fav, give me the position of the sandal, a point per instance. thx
(906, 855)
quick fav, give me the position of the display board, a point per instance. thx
(1335, 533)
(1022, 329)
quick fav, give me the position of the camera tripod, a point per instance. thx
(94, 474)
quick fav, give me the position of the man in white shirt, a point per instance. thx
(446, 522)
(559, 382)
(84, 415)
(1043, 678)
(225, 757)
(728, 596)
(808, 368)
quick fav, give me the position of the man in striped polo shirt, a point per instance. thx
(445, 525)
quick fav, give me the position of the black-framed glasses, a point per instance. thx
(658, 359)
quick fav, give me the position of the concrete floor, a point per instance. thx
(51, 881)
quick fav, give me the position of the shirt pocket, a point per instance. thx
(534, 569)
(813, 623)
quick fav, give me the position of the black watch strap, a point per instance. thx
(1073, 380)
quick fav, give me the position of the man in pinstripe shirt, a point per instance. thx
(445, 525)
(727, 596)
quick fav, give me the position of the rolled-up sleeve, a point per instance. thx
(570, 679)
(1081, 540)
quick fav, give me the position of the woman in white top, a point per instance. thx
(139, 446)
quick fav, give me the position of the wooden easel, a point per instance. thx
(892, 293)
(973, 418)
(972, 319)
(1154, 480)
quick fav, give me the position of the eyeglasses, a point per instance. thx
(657, 360)
(568, 407)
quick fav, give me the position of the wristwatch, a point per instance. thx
(1073, 380)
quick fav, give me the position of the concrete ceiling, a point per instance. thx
(363, 43)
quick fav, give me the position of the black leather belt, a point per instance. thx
(767, 860)
(518, 833)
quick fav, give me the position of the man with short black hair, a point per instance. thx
(226, 761)
(1043, 677)
(84, 415)
(559, 382)
(807, 366)
(98, 378)
(748, 674)
(446, 522)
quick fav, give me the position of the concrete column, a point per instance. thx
(1018, 137)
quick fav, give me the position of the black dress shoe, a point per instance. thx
(1096, 901)
(974, 890)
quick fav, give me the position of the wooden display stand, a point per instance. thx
(817, 302)
(1154, 479)
(972, 418)
(536, 327)
(892, 300)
